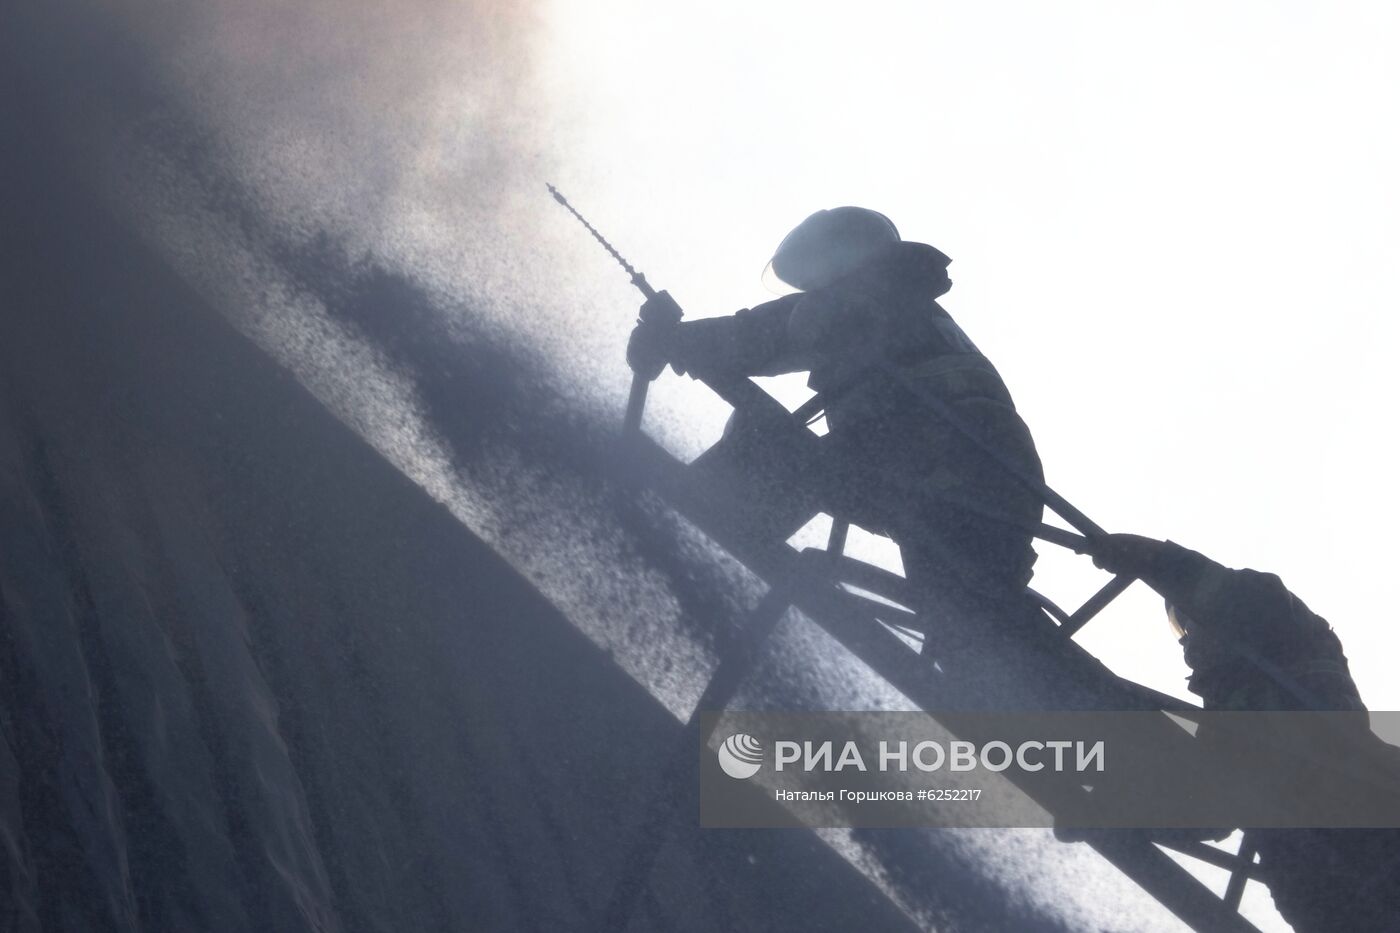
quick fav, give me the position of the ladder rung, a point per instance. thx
(1096, 603)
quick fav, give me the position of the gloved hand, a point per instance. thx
(1134, 555)
(651, 347)
(653, 342)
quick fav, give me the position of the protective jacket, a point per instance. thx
(877, 345)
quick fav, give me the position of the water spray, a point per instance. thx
(660, 308)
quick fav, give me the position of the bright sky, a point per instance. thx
(1173, 230)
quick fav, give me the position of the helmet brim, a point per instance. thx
(774, 284)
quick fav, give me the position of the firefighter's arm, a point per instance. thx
(752, 342)
(1247, 603)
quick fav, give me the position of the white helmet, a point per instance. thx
(829, 245)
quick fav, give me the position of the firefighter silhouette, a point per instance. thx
(866, 325)
(1253, 645)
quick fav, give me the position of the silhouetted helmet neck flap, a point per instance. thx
(830, 245)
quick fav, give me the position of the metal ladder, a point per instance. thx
(812, 581)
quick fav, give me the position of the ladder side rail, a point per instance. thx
(1161, 878)
(1136, 857)
(774, 562)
